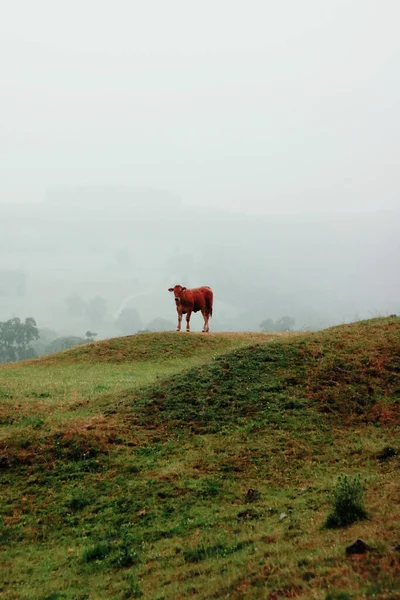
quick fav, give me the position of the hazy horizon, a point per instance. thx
(118, 247)
(250, 146)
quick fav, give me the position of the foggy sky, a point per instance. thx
(256, 105)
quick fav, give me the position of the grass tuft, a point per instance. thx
(348, 502)
(97, 552)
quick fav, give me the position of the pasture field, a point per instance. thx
(171, 466)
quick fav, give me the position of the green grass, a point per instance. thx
(127, 465)
(61, 386)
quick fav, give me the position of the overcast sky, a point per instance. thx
(254, 105)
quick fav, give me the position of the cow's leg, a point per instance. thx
(206, 316)
(188, 321)
(179, 321)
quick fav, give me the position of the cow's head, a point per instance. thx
(178, 289)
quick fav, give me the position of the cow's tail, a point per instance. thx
(209, 302)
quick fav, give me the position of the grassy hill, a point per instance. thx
(173, 466)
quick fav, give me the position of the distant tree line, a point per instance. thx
(20, 340)
(68, 341)
(282, 325)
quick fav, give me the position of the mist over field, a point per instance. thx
(147, 146)
(251, 147)
(81, 257)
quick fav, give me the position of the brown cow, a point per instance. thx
(193, 300)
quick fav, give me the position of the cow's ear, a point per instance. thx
(183, 289)
(170, 289)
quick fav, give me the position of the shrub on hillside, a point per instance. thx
(348, 502)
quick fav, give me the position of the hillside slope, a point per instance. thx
(205, 474)
(54, 388)
(347, 371)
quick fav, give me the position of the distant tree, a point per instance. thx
(16, 338)
(64, 343)
(90, 335)
(267, 325)
(281, 325)
(128, 321)
(76, 306)
(285, 324)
